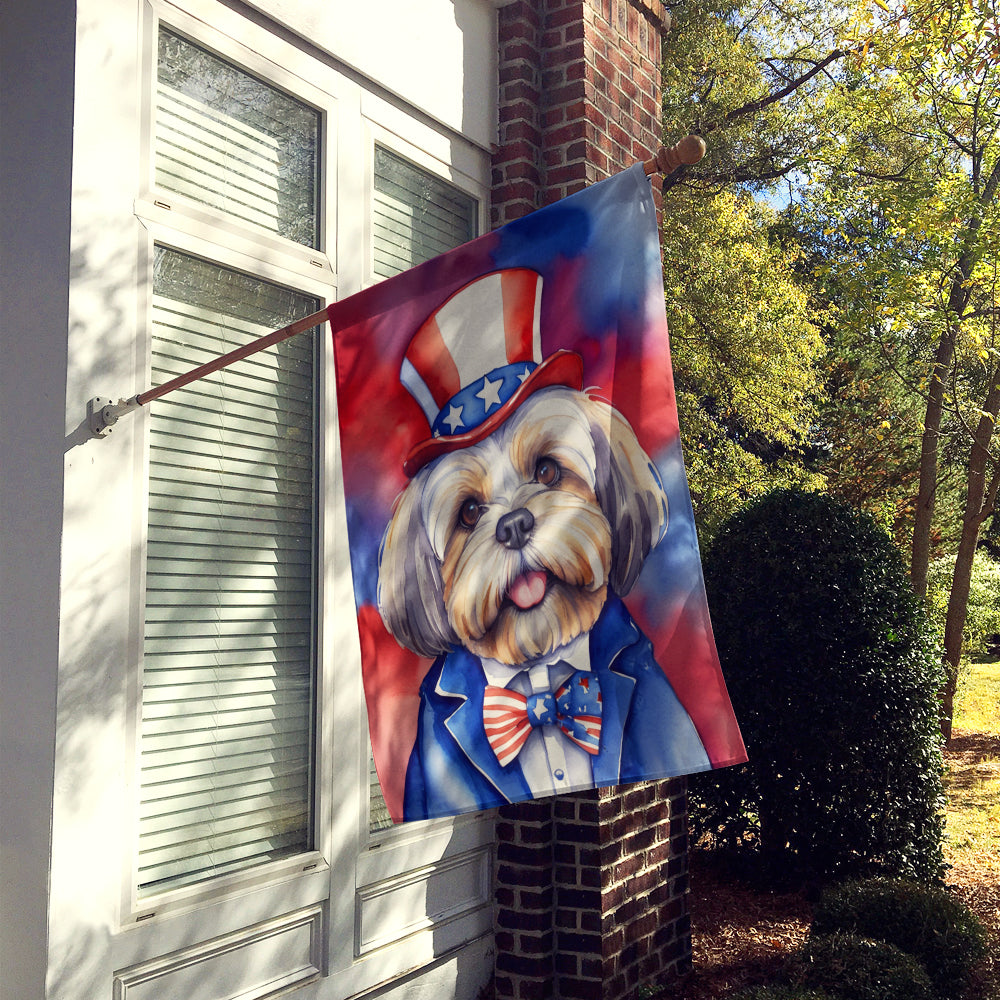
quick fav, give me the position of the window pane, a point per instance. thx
(228, 657)
(228, 140)
(416, 217)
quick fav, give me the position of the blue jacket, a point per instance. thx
(646, 732)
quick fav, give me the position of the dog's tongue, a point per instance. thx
(528, 589)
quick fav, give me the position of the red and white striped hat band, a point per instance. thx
(477, 357)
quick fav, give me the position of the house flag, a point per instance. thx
(526, 574)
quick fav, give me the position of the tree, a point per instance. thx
(912, 190)
(746, 75)
(879, 123)
(747, 357)
(746, 350)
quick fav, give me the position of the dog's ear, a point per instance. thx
(410, 590)
(629, 491)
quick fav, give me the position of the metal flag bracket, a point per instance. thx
(103, 413)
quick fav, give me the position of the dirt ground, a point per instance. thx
(742, 935)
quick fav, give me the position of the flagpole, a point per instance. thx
(687, 152)
(103, 413)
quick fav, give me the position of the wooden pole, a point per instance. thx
(260, 344)
(688, 151)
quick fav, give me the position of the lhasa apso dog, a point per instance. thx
(508, 547)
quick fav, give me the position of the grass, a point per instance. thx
(972, 848)
(973, 783)
(978, 698)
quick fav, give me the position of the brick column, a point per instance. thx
(591, 889)
(579, 96)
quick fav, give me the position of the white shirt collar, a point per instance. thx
(576, 653)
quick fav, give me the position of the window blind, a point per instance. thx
(416, 216)
(228, 140)
(228, 653)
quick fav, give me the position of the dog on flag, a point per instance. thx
(530, 510)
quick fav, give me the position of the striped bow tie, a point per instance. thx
(575, 708)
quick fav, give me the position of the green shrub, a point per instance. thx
(925, 922)
(856, 968)
(833, 673)
(982, 620)
(782, 993)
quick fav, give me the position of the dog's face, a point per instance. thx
(508, 547)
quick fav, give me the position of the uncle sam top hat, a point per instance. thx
(476, 358)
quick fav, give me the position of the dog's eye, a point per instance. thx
(547, 471)
(470, 512)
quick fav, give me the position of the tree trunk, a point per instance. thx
(958, 299)
(920, 553)
(980, 499)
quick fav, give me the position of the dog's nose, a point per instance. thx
(514, 529)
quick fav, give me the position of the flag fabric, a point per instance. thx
(529, 594)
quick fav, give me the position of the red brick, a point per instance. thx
(658, 854)
(536, 944)
(571, 14)
(518, 50)
(568, 52)
(552, 117)
(530, 899)
(524, 920)
(589, 944)
(567, 964)
(641, 927)
(515, 875)
(570, 132)
(642, 882)
(518, 91)
(521, 965)
(567, 174)
(552, 78)
(532, 856)
(522, 112)
(580, 898)
(581, 989)
(520, 130)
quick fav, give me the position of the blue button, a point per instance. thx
(559, 774)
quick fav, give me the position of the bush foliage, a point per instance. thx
(833, 672)
(925, 922)
(857, 968)
(982, 620)
(782, 993)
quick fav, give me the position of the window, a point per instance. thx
(416, 215)
(228, 684)
(227, 140)
(210, 827)
(229, 646)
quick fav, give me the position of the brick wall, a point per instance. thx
(579, 96)
(591, 893)
(591, 889)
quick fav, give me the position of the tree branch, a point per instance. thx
(754, 106)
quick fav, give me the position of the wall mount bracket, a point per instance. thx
(103, 413)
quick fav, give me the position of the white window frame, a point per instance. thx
(351, 876)
(180, 224)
